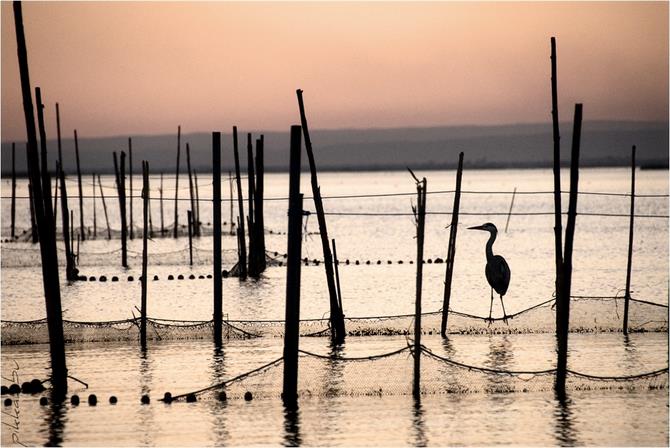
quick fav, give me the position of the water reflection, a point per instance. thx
(418, 424)
(217, 407)
(292, 435)
(563, 419)
(632, 357)
(146, 414)
(56, 416)
(500, 357)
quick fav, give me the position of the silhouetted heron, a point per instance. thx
(497, 271)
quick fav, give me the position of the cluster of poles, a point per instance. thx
(45, 218)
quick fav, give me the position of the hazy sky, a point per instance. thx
(142, 68)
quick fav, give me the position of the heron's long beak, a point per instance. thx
(476, 228)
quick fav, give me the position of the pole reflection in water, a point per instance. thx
(419, 437)
(217, 407)
(292, 424)
(632, 358)
(146, 414)
(56, 415)
(563, 418)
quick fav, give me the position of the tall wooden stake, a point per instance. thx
(336, 314)
(81, 191)
(121, 189)
(189, 215)
(104, 208)
(132, 192)
(230, 187)
(451, 251)
(60, 147)
(336, 263)
(197, 204)
(145, 251)
(631, 227)
(259, 221)
(251, 181)
(160, 192)
(70, 269)
(13, 209)
(45, 223)
(217, 276)
(558, 228)
(190, 178)
(564, 298)
(242, 264)
(176, 186)
(420, 227)
(95, 219)
(292, 322)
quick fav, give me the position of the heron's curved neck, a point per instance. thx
(489, 245)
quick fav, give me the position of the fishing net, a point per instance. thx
(587, 315)
(392, 374)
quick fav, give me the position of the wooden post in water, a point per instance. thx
(160, 192)
(65, 217)
(251, 182)
(230, 187)
(197, 204)
(104, 208)
(336, 263)
(46, 178)
(130, 172)
(55, 207)
(259, 221)
(176, 186)
(145, 251)
(189, 215)
(451, 251)
(564, 298)
(242, 264)
(72, 234)
(509, 214)
(631, 227)
(420, 227)
(558, 227)
(33, 221)
(95, 220)
(81, 191)
(191, 190)
(44, 220)
(292, 322)
(13, 209)
(121, 189)
(336, 314)
(216, 245)
(60, 147)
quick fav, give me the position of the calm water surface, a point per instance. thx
(537, 418)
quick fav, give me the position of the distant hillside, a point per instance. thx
(508, 146)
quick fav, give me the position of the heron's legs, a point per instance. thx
(490, 309)
(503, 307)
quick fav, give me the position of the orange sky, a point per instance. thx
(143, 68)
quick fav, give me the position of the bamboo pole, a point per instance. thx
(189, 215)
(176, 186)
(631, 228)
(95, 219)
(251, 182)
(337, 274)
(60, 147)
(197, 204)
(242, 264)
(451, 251)
(13, 209)
(420, 228)
(145, 251)
(216, 245)
(511, 206)
(46, 178)
(564, 298)
(132, 192)
(55, 207)
(45, 223)
(191, 190)
(81, 192)
(558, 229)
(72, 233)
(336, 314)
(292, 322)
(160, 191)
(104, 208)
(230, 186)
(33, 221)
(259, 220)
(121, 189)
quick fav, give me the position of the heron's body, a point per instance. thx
(497, 271)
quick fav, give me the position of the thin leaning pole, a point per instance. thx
(242, 263)
(176, 186)
(420, 229)
(191, 190)
(145, 251)
(558, 229)
(216, 245)
(13, 209)
(95, 219)
(451, 251)
(104, 208)
(130, 175)
(631, 228)
(81, 191)
(336, 314)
